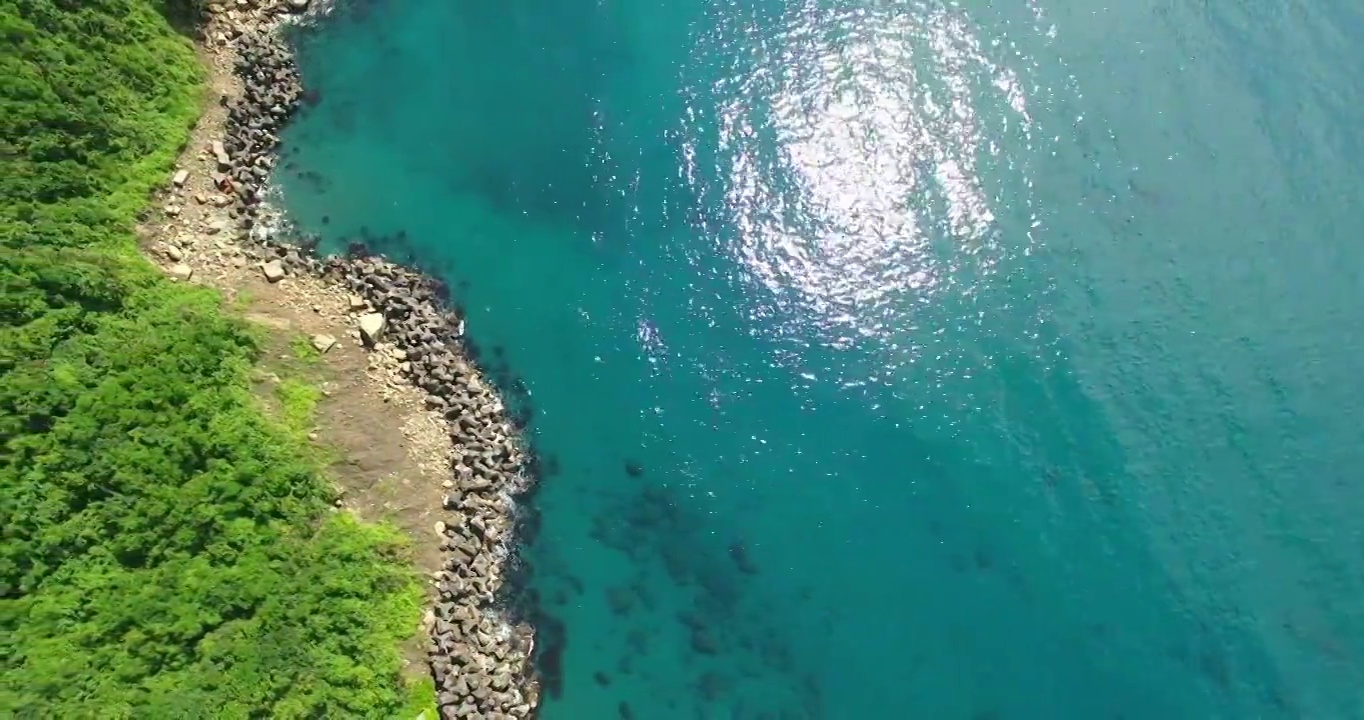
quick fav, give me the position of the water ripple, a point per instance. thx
(851, 142)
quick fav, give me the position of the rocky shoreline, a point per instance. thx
(480, 660)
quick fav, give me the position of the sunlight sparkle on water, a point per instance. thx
(874, 113)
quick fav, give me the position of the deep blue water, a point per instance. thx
(896, 359)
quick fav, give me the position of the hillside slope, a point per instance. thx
(168, 549)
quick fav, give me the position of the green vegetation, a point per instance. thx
(168, 550)
(298, 404)
(302, 349)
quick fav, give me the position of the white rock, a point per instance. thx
(181, 271)
(180, 178)
(175, 253)
(356, 302)
(217, 226)
(273, 270)
(323, 343)
(371, 327)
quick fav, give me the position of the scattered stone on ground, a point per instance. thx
(273, 270)
(371, 327)
(323, 342)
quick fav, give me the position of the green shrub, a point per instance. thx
(167, 551)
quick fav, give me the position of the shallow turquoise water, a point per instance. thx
(942, 360)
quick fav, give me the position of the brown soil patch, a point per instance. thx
(388, 458)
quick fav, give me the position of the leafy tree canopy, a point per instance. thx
(168, 550)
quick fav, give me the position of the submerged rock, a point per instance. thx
(739, 554)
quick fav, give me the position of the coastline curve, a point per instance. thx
(480, 647)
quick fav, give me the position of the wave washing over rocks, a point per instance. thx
(479, 656)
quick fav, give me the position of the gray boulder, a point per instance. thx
(372, 327)
(323, 343)
(273, 270)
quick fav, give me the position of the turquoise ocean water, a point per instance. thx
(895, 359)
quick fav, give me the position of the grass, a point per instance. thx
(302, 349)
(298, 401)
(421, 698)
(242, 300)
